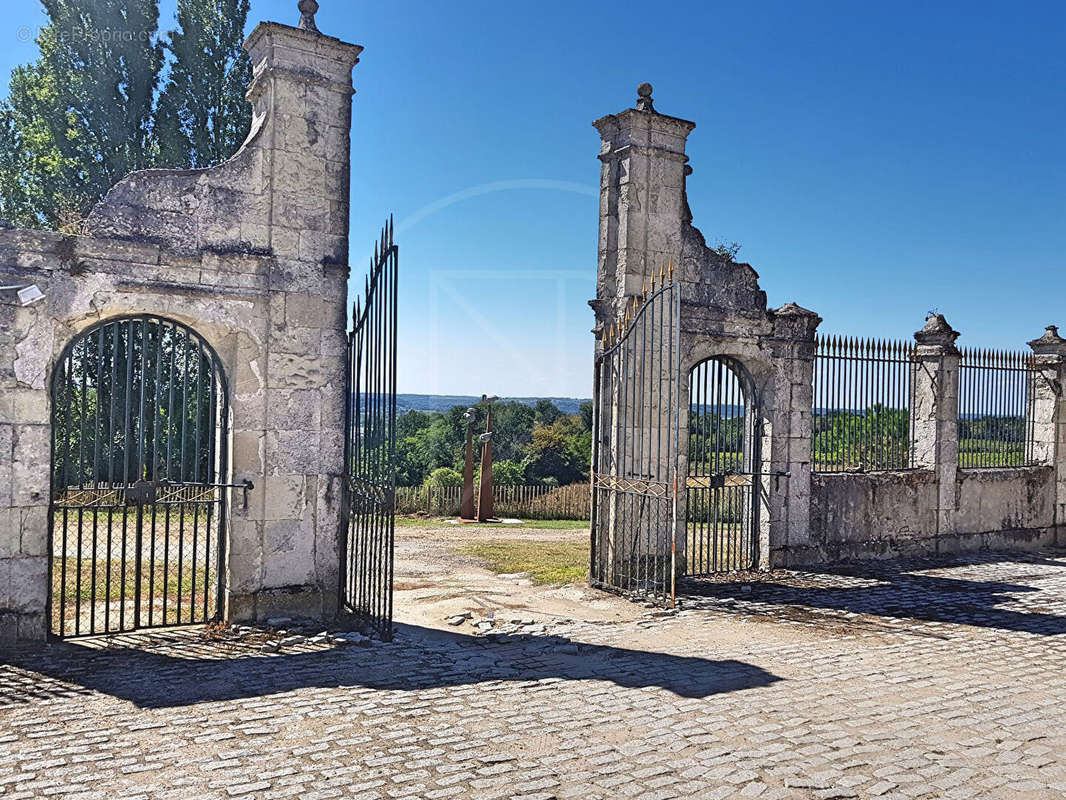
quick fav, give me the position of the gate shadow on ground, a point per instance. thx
(898, 589)
(178, 672)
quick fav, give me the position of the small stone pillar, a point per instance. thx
(935, 411)
(642, 200)
(1048, 412)
(788, 445)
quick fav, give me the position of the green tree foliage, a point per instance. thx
(131, 409)
(716, 442)
(508, 473)
(202, 116)
(557, 453)
(444, 476)
(527, 447)
(83, 111)
(876, 438)
(89, 110)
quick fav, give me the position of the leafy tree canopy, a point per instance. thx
(530, 444)
(90, 110)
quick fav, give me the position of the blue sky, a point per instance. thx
(875, 161)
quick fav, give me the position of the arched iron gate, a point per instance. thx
(723, 465)
(139, 420)
(634, 450)
(370, 445)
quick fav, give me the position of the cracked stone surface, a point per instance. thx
(896, 680)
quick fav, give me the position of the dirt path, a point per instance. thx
(434, 580)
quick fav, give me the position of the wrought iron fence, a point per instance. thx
(526, 502)
(861, 404)
(995, 424)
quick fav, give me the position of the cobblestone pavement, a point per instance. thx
(898, 681)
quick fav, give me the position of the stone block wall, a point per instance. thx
(937, 507)
(252, 254)
(645, 225)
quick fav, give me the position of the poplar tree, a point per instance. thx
(79, 118)
(202, 116)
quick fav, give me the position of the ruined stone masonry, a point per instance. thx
(645, 223)
(252, 254)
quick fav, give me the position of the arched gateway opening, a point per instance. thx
(723, 461)
(139, 457)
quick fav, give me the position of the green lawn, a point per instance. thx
(546, 562)
(540, 524)
(123, 586)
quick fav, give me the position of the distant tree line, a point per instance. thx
(109, 95)
(536, 444)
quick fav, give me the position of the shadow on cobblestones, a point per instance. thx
(904, 590)
(185, 669)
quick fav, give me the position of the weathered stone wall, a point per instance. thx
(645, 224)
(889, 514)
(938, 507)
(646, 234)
(252, 254)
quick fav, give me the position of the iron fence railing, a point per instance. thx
(525, 502)
(995, 421)
(861, 404)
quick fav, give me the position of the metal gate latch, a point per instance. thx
(141, 493)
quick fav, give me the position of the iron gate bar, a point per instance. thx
(722, 495)
(113, 431)
(633, 480)
(861, 394)
(995, 399)
(366, 571)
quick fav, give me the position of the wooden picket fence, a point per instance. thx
(523, 502)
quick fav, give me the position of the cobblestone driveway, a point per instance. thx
(908, 680)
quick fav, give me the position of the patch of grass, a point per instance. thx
(123, 586)
(546, 562)
(538, 524)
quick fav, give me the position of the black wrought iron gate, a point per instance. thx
(723, 469)
(370, 444)
(634, 450)
(139, 410)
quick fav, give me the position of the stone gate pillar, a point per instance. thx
(642, 200)
(301, 90)
(1048, 412)
(787, 482)
(645, 224)
(935, 410)
(282, 198)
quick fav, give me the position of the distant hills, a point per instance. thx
(443, 402)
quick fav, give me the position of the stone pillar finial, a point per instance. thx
(644, 101)
(795, 323)
(308, 9)
(1050, 344)
(937, 335)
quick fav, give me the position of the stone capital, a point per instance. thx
(300, 54)
(793, 321)
(643, 127)
(936, 337)
(1050, 347)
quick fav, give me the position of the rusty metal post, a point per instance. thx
(466, 499)
(484, 500)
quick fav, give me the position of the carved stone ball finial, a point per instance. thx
(308, 9)
(644, 102)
